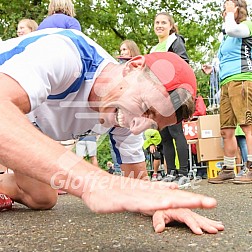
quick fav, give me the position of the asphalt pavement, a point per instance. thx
(71, 226)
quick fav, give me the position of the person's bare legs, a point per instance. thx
(230, 148)
(94, 160)
(156, 164)
(248, 133)
(135, 171)
(246, 178)
(230, 143)
(28, 191)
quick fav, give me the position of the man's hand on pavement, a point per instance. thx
(194, 221)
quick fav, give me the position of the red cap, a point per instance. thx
(172, 71)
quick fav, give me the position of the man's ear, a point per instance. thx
(132, 64)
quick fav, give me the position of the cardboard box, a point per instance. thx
(208, 126)
(190, 130)
(210, 149)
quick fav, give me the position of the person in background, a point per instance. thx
(239, 134)
(26, 26)
(61, 14)
(242, 152)
(87, 146)
(113, 150)
(200, 110)
(169, 40)
(110, 167)
(236, 88)
(129, 49)
(153, 145)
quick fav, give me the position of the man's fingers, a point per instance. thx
(158, 221)
(162, 199)
(178, 198)
(190, 220)
(156, 199)
(194, 221)
(208, 225)
(198, 224)
(160, 218)
(182, 199)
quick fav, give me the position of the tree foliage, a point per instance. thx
(103, 151)
(109, 22)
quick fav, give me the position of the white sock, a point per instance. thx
(229, 162)
(249, 158)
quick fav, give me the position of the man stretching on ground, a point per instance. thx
(72, 85)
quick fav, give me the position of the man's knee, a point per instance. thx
(227, 133)
(43, 205)
(44, 201)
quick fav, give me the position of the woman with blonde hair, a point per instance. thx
(129, 48)
(60, 15)
(26, 26)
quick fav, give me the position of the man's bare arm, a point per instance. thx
(28, 151)
(24, 148)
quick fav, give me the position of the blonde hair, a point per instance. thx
(61, 6)
(109, 163)
(132, 47)
(30, 23)
(171, 20)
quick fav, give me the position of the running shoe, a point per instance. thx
(5, 202)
